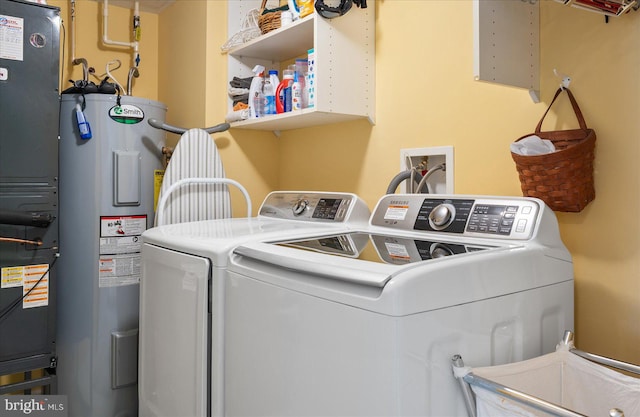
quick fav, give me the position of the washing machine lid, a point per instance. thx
(381, 248)
(363, 258)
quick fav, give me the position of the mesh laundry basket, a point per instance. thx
(561, 378)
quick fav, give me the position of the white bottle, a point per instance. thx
(269, 97)
(296, 93)
(256, 96)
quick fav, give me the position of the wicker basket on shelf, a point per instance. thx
(269, 18)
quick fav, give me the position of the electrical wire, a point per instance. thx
(426, 176)
(4, 313)
(16, 240)
(108, 72)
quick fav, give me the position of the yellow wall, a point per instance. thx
(426, 96)
(193, 81)
(603, 238)
(89, 45)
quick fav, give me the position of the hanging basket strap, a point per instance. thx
(574, 104)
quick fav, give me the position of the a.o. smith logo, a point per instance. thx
(126, 114)
(34, 405)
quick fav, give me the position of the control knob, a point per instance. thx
(440, 250)
(300, 206)
(442, 216)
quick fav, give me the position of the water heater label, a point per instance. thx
(120, 245)
(119, 270)
(126, 114)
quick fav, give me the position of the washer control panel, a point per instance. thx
(315, 206)
(499, 217)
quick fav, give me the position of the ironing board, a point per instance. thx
(194, 186)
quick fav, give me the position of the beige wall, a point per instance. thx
(193, 81)
(88, 37)
(426, 96)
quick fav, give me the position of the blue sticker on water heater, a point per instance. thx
(126, 114)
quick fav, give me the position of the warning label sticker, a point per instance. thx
(396, 212)
(12, 276)
(119, 270)
(120, 245)
(11, 35)
(115, 245)
(35, 288)
(34, 280)
(122, 226)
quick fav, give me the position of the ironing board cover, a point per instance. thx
(195, 156)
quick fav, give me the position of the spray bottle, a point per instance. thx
(256, 96)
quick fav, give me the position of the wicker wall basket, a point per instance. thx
(562, 179)
(269, 19)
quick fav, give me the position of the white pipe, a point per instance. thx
(105, 31)
(73, 29)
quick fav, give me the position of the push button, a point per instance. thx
(522, 225)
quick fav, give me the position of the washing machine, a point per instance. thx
(365, 322)
(182, 281)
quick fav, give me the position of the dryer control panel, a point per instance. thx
(315, 206)
(487, 217)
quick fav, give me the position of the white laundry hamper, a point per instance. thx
(562, 383)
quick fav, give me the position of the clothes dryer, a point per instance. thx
(183, 279)
(365, 322)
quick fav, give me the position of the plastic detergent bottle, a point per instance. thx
(296, 92)
(273, 77)
(269, 97)
(256, 96)
(283, 104)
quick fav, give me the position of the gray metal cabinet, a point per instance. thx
(29, 119)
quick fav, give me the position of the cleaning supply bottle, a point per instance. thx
(302, 67)
(294, 9)
(311, 79)
(269, 97)
(275, 81)
(256, 96)
(273, 77)
(306, 7)
(296, 92)
(83, 125)
(283, 104)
